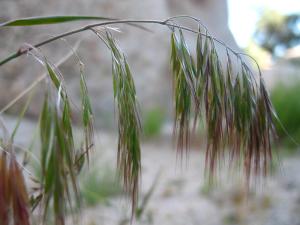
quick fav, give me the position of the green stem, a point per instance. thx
(130, 22)
(88, 27)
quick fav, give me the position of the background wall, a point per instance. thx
(148, 53)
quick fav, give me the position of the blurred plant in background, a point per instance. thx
(285, 98)
(153, 122)
(275, 45)
(276, 32)
(100, 185)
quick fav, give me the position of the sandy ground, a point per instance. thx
(182, 195)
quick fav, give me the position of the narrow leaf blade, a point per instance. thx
(33, 21)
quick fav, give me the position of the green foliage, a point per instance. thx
(277, 32)
(285, 98)
(152, 122)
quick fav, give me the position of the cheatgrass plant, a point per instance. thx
(231, 100)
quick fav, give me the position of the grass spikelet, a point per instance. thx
(238, 111)
(14, 200)
(184, 76)
(87, 115)
(200, 79)
(5, 190)
(129, 155)
(58, 155)
(228, 101)
(259, 155)
(214, 112)
(19, 196)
